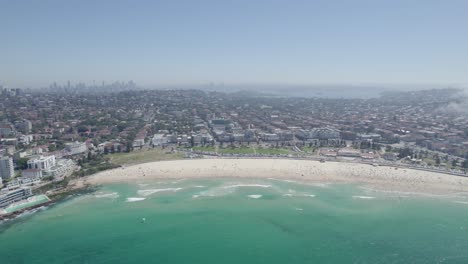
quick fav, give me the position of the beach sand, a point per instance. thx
(381, 178)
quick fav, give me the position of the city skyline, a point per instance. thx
(242, 43)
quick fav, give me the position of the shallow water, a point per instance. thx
(240, 221)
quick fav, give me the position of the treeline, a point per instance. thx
(93, 164)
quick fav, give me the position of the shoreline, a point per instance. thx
(367, 176)
(384, 178)
(53, 199)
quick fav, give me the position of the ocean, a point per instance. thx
(240, 221)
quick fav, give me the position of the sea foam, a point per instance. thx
(152, 191)
(247, 185)
(299, 195)
(363, 197)
(107, 195)
(293, 193)
(255, 196)
(226, 189)
(460, 202)
(135, 199)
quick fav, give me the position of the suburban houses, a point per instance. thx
(48, 135)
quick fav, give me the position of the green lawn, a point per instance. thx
(143, 156)
(309, 149)
(245, 150)
(239, 150)
(273, 151)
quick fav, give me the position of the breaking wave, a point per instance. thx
(153, 191)
(246, 185)
(107, 195)
(460, 202)
(135, 199)
(363, 197)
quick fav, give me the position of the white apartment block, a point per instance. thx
(63, 168)
(76, 147)
(42, 163)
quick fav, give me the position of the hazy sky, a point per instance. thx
(235, 41)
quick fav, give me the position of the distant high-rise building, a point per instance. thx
(6, 129)
(25, 126)
(6, 168)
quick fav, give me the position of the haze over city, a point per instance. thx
(181, 43)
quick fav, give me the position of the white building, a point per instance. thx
(25, 139)
(41, 162)
(29, 181)
(201, 138)
(369, 137)
(269, 136)
(63, 168)
(6, 130)
(324, 133)
(7, 169)
(32, 173)
(76, 147)
(8, 197)
(25, 126)
(21, 182)
(348, 152)
(159, 140)
(140, 142)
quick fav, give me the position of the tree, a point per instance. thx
(129, 146)
(437, 160)
(405, 152)
(22, 163)
(376, 146)
(52, 147)
(82, 129)
(465, 164)
(454, 162)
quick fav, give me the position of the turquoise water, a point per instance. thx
(240, 221)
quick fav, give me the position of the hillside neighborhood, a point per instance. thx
(68, 131)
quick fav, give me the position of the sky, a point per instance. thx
(187, 42)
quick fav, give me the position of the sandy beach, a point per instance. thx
(380, 177)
